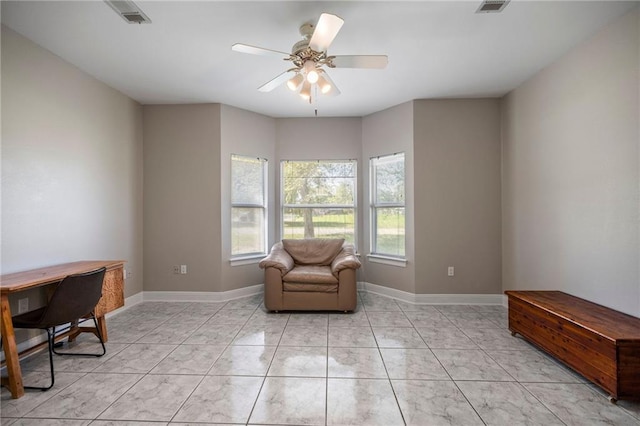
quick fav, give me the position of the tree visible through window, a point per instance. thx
(319, 199)
(387, 205)
(248, 205)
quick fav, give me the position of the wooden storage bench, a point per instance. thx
(598, 342)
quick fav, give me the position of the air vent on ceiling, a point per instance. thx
(492, 6)
(128, 11)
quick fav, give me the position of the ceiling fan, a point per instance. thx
(309, 56)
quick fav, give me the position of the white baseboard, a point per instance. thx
(201, 296)
(433, 299)
(128, 302)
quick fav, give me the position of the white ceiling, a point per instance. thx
(436, 49)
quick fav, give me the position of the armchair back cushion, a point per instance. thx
(319, 251)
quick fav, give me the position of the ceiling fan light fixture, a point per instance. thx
(305, 92)
(309, 57)
(312, 76)
(295, 82)
(324, 85)
(330, 88)
(311, 72)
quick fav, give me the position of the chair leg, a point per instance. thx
(104, 350)
(50, 337)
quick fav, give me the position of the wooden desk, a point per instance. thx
(112, 298)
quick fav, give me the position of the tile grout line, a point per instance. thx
(266, 374)
(145, 374)
(384, 364)
(541, 402)
(449, 374)
(326, 378)
(205, 374)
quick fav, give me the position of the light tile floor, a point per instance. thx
(389, 363)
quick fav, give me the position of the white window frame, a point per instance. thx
(375, 204)
(284, 205)
(252, 257)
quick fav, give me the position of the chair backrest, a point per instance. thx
(313, 251)
(76, 295)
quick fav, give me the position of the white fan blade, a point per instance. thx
(252, 50)
(269, 86)
(334, 89)
(360, 61)
(326, 30)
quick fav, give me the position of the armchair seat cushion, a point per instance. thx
(310, 274)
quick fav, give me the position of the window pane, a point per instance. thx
(390, 231)
(319, 182)
(247, 180)
(319, 223)
(247, 230)
(317, 190)
(319, 199)
(389, 179)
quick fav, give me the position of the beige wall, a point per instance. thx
(244, 133)
(384, 133)
(457, 196)
(71, 167)
(570, 173)
(318, 138)
(182, 197)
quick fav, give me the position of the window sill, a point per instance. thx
(247, 260)
(387, 260)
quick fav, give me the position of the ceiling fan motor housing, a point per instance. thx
(299, 47)
(306, 31)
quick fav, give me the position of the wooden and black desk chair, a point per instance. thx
(75, 297)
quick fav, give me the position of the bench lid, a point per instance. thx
(607, 322)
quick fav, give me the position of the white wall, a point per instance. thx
(250, 134)
(384, 133)
(71, 165)
(570, 173)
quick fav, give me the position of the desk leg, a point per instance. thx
(102, 326)
(10, 349)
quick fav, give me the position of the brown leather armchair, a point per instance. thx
(315, 274)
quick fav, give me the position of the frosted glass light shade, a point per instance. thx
(295, 82)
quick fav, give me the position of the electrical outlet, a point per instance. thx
(183, 269)
(450, 271)
(176, 269)
(23, 305)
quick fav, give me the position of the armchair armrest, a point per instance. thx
(346, 259)
(279, 259)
